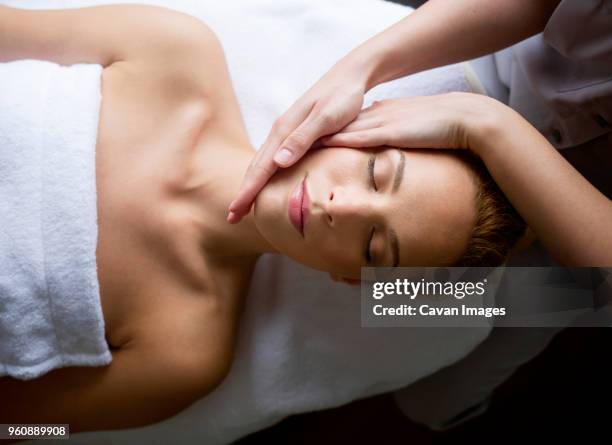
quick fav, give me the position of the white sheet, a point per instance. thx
(301, 346)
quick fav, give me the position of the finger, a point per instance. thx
(285, 125)
(233, 218)
(301, 139)
(254, 181)
(358, 139)
(361, 123)
(263, 166)
(376, 106)
(316, 144)
(382, 109)
(241, 203)
(280, 130)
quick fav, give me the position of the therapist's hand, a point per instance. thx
(325, 108)
(442, 121)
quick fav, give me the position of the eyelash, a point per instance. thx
(371, 163)
(368, 256)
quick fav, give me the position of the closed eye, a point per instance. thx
(372, 179)
(368, 250)
(371, 164)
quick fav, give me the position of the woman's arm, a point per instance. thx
(569, 216)
(164, 58)
(99, 34)
(179, 355)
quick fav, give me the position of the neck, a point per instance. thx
(214, 183)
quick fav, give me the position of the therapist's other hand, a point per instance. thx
(328, 106)
(442, 121)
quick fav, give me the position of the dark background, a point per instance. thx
(413, 3)
(561, 395)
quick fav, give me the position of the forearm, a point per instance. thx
(132, 391)
(570, 217)
(442, 32)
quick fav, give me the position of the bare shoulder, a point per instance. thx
(188, 59)
(184, 71)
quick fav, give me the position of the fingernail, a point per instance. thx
(231, 217)
(283, 157)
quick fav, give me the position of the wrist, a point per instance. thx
(367, 64)
(486, 122)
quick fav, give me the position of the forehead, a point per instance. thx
(434, 209)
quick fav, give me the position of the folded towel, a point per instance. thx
(301, 346)
(50, 314)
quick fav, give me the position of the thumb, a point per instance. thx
(301, 139)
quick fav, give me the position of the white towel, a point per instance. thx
(301, 346)
(50, 314)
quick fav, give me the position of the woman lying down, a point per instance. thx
(171, 152)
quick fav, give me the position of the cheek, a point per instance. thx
(267, 211)
(268, 198)
(336, 254)
(337, 164)
(264, 209)
(327, 169)
(271, 201)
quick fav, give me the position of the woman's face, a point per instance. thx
(340, 209)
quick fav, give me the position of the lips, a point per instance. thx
(299, 203)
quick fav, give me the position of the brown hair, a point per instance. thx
(498, 225)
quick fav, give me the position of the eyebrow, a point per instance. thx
(399, 175)
(399, 172)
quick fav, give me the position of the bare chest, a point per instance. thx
(147, 250)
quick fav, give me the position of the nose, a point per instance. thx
(342, 205)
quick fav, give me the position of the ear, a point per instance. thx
(351, 281)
